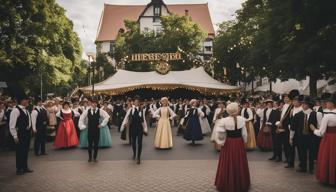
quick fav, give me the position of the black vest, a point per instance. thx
(22, 121)
(204, 111)
(312, 120)
(93, 119)
(42, 118)
(135, 121)
(246, 115)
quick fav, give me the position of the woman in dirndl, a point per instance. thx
(232, 172)
(326, 161)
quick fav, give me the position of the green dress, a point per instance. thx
(105, 139)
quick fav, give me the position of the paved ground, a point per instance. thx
(184, 168)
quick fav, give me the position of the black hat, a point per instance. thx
(308, 101)
(21, 96)
(325, 96)
(38, 99)
(299, 98)
(318, 99)
(244, 101)
(276, 98)
(331, 98)
(293, 94)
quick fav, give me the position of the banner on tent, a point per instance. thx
(156, 56)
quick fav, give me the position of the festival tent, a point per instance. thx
(195, 79)
(281, 87)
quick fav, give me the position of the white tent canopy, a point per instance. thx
(281, 87)
(194, 79)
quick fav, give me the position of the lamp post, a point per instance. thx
(93, 69)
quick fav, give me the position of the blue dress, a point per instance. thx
(105, 139)
(193, 131)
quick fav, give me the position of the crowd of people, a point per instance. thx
(287, 125)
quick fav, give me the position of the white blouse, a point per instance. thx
(328, 120)
(228, 124)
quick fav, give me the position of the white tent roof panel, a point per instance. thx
(196, 79)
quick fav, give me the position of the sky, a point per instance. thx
(85, 14)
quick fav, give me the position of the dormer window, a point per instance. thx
(157, 10)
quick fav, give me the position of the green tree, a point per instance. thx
(283, 39)
(178, 32)
(37, 39)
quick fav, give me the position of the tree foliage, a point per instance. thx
(37, 38)
(280, 39)
(177, 32)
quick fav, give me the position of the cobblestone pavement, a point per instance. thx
(184, 168)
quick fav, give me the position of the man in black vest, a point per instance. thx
(282, 126)
(275, 117)
(20, 128)
(92, 116)
(135, 120)
(295, 115)
(303, 136)
(39, 123)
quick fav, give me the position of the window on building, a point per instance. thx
(208, 48)
(157, 11)
(111, 47)
(157, 30)
(156, 19)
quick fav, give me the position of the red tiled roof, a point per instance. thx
(113, 16)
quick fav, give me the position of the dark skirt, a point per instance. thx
(193, 131)
(264, 140)
(326, 161)
(233, 172)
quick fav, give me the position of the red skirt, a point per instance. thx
(233, 172)
(326, 161)
(264, 140)
(66, 135)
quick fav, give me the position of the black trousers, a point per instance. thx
(93, 140)
(292, 151)
(22, 149)
(40, 140)
(316, 145)
(306, 151)
(2, 135)
(136, 142)
(274, 142)
(283, 145)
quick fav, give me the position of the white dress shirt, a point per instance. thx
(217, 111)
(2, 117)
(13, 118)
(328, 120)
(83, 119)
(141, 113)
(283, 112)
(34, 115)
(295, 111)
(249, 112)
(224, 124)
(207, 110)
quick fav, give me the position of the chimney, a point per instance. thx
(186, 12)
